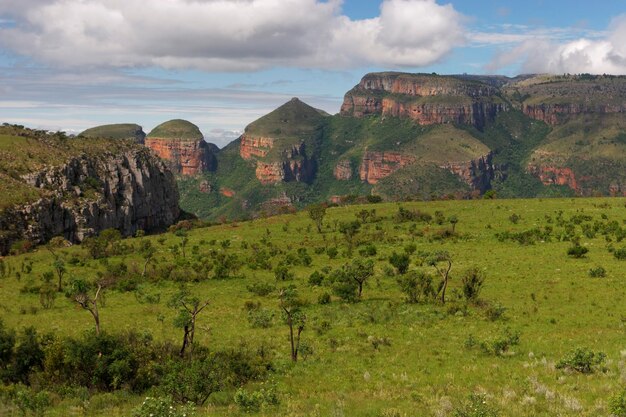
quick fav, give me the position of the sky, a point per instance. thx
(221, 64)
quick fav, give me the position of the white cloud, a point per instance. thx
(221, 35)
(604, 53)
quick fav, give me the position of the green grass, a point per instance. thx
(114, 131)
(426, 369)
(176, 129)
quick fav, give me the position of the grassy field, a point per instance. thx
(383, 356)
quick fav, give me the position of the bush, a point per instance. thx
(316, 279)
(597, 272)
(368, 250)
(417, 286)
(332, 252)
(495, 312)
(620, 254)
(472, 282)
(582, 360)
(261, 289)
(254, 401)
(577, 251)
(163, 407)
(260, 318)
(400, 262)
(324, 298)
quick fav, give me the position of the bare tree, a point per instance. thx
(80, 293)
(444, 271)
(291, 305)
(188, 310)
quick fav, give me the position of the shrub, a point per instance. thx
(597, 272)
(577, 251)
(495, 312)
(324, 298)
(332, 252)
(163, 407)
(316, 279)
(620, 254)
(472, 282)
(260, 318)
(417, 286)
(261, 289)
(582, 360)
(368, 250)
(400, 262)
(254, 401)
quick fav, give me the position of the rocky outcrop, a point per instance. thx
(292, 165)
(554, 114)
(251, 146)
(181, 144)
(378, 165)
(477, 173)
(184, 157)
(343, 170)
(129, 191)
(427, 99)
(552, 175)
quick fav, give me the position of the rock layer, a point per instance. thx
(553, 114)
(378, 165)
(185, 157)
(251, 146)
(427, 99)
(128, 191)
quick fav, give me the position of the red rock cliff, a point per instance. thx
(185, 157)
(427, 99)
(378, 165)
(553, 114)
(251, 146)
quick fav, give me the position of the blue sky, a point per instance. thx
(72, 64)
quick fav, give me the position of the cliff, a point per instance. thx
(283, 144)
(181, 144)
(426, 99)
(112, 185)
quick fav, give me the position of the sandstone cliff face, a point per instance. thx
(378, 165)
(550, 175)
(129, 191)
(292, 165)
(425, 99)
(251, 146)
(477, 173)
(185, 157)
(343, 170)
(553, 114)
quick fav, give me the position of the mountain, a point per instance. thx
(128, 131)
(52, 185)
(181, 144)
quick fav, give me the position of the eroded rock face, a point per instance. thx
(343, 170)
(477, 173)
(185, 157)
(551, 175)
(423, 98)
(254, 146)
(128, 191)
(553, 114)
(378, 165)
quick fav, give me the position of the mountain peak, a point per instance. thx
(176, 129)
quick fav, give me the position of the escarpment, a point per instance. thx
(426, 99)
(82, 193)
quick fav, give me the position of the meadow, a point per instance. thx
(544, 335)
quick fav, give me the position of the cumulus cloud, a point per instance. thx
(597, 55)
(221, 35)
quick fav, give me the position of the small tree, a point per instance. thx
(417, 286)
(80, 292)
(442, 262)
(317, 213)
(453, 221)
(147, 252)
(59, 268)
(400, 262)
(349, 230)
(291, 306)
(348, 281)
(188, 310)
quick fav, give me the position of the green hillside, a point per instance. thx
(542, 336)
(116, 131)
(176, 129)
